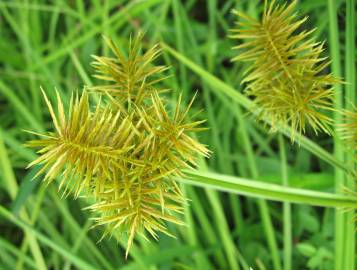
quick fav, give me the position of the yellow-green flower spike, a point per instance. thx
(285, 74)
(131, 77)
(123, 156)
(81, 147)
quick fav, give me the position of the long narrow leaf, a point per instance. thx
(267, 191)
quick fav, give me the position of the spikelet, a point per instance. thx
(83, 147)
(124, 156)
(285, 77)
(132, 77)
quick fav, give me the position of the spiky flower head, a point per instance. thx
(131, 78)
(124, 155)
(285, 74)
(83, 147)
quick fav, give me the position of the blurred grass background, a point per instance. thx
(50, 43)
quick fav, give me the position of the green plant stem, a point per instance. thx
(350, 97)
(206, 224)
(340, 255)
(258, 189)
(286, 208)
(262, 204)
(191, 236)
(179, 41)
(223, 229)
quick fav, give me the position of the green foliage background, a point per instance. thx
(50, 43)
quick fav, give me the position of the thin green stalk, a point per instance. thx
(40, 7)
(263, 190)
(223, 229)
(106, 28)
(81, 71)
(200, 259)
(286, 208)
(83, 74)
(350, 97)
(262, 204)
(207, 226)
(212, 35)
(180, 43)
(25, 23)
(340, 255)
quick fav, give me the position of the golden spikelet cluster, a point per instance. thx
(130, 78)
(285, 74)
(83, 147)
(123, 154)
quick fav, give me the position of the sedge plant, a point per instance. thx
(125, 153)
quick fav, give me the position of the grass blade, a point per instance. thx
(267, 191)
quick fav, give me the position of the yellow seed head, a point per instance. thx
(285, 74)
(123, 155)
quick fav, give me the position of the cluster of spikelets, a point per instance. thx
(285, 74)
(124, 153)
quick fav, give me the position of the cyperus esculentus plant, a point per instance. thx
(285, 74)
(123, 155)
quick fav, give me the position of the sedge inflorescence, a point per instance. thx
(124, 153)
(285, 76)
